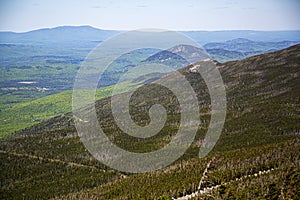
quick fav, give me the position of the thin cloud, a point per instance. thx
(97, 7)
(222, 7)
(249, 8)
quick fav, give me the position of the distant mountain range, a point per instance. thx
(75, 35)
(79, 34)
(245, 45)
(236, 49)
(241, 48)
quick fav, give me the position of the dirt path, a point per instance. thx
(209, 189)
(52, 160)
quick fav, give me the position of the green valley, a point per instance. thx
(22, 115)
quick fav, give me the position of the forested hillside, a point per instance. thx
(255, 157)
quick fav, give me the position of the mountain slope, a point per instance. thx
(260, 133)
(256, 79)
(222, 55)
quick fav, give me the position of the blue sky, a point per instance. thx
(25, 15)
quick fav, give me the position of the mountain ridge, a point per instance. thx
(101, 34)
(244, 45)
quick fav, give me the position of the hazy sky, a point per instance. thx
(24, 15)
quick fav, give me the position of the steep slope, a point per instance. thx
(260, 133)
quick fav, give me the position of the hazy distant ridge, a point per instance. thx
(67, 34)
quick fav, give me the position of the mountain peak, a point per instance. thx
(189, 52)
(183, 53)
(183, 48)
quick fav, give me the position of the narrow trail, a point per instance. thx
(204, 174)
(72, 164)
(209, 189)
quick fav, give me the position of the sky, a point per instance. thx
(26, 15)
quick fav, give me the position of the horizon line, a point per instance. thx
(185, 30)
